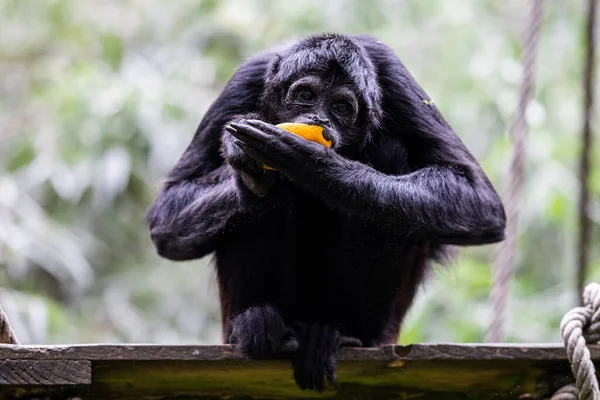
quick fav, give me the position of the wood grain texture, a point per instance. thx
(433, 351)
(45, 372)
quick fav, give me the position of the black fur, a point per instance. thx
(337, 241)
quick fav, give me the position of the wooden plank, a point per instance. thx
(423, 371)
(551, 351)
(45, 372)
(502, 351)
(439, 380)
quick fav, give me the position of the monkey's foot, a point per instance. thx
(316, 356)
(258, 332)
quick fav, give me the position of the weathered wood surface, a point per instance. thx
(420, 371)
(45, 372)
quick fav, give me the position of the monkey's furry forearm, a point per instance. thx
(444, 203)
(189, 217)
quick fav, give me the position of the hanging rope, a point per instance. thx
(582, 324)
(586, 146)
(505, 256)
(7, 335)
(579, 326)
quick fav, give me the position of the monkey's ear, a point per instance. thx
(272, 68)
(269, 95)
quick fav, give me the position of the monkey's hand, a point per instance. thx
(316, 357)
(259, 332)
(289, 154)
(251, 173)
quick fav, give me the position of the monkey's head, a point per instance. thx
(326, 80)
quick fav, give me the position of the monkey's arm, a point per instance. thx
(447, 196)
(449, 200)
(204, 196)
(449, 204)
(188, 218)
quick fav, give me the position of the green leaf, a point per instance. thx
(173, 111)
(23, 154)
(113, 50)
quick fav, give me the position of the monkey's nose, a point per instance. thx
(320, 121)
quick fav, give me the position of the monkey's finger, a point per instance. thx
(236, 128)
(299, 373)
(310, 350)
(252, 136)
(239, 143)
(263, 125)
(299, 358)
(322, 356)
(284, 135)
(258, 155)
(299, 376)
(330, 350)
(314, 356)
(268, 128)
(330, 367)
(255, 145)
(234, 155)
(267, 156)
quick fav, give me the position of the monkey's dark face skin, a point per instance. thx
(330, 247)
(329, 101)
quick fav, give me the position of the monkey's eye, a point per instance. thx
(341, 108)
(305, 95)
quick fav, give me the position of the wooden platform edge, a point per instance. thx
(420, 351)
(438, 371)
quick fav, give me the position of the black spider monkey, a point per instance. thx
(334, 242)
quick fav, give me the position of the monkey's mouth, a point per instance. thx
(327, 135)
(326, 132)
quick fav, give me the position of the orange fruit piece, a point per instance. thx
(314, 133)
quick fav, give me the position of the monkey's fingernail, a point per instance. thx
(230, 129)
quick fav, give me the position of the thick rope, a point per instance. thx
(586, 146)
(587, 317)
(579, 326)
(505, 255)
(568, 392)
(7, 335)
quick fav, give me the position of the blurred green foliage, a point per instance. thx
(99, 99)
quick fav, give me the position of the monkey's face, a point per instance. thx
(326, 101)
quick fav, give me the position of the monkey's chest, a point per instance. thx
(312, 262)
(305, 244)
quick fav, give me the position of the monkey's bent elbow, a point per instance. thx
(494, 230)
(162, 243)
(168, 245)
(493, 235)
